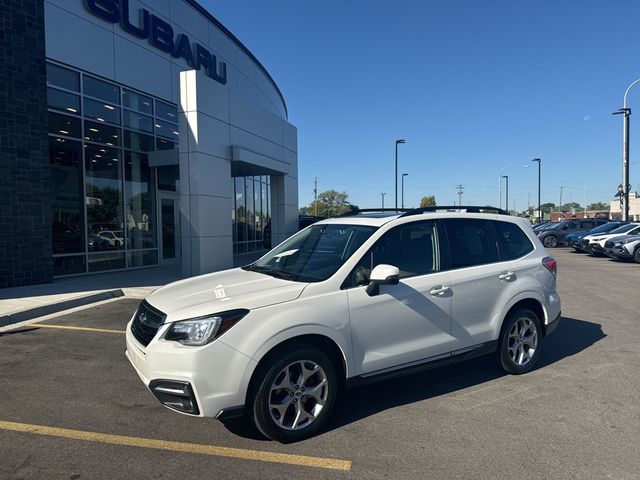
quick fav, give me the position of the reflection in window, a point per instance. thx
(67, 102)
(106, 261)
(98, 132)
(69, 265)
(138, 141)
(102, 90)
(103, 112)
(64, 125)
(103, 198)
(166, 112)
(67, 214)
(62, 77)
(162, 144)
(169, 178)
(139, 201)
(142, 258)
(135, 101)
(138, 121)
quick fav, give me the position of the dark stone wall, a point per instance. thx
(25, 197)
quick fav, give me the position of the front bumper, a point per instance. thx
(202, 381)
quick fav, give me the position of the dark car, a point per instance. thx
(575, 239)
(555, 236)
(303, 222)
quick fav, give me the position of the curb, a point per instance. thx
(32, 313)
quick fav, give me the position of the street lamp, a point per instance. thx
(539, 212)
(620, 194)
(403, 175)
(500, 182)
(506, 179)
(626, 186)
(382, 195)
(401, 140)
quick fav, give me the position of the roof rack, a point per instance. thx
(357, 211)
(456, 208)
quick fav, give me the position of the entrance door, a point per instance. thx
(170, 228)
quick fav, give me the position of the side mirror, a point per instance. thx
(382, 275)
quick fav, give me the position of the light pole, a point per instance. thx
(401, 140)
(626, 186)
(382, 195)
(403, 175)
(539, 204)
(506, 179)
(500, 182)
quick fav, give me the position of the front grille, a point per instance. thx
(146, 323)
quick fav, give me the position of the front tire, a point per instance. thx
(550, 241)
(295, 395)
(636, 255)
(520, 342)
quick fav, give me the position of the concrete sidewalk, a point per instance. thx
(26, 303)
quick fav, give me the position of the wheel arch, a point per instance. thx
(529, 303)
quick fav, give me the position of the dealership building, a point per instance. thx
(135, 134)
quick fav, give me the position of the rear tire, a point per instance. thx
(294, 394)
(520, 342)
(550, 241)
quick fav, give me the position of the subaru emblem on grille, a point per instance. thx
(143, 317)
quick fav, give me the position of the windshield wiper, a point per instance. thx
(271, 272)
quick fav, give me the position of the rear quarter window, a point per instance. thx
(512, 241)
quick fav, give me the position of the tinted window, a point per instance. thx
(587, 225)
(413, 248)
(512, 241)
(61, 77)
(470, 242)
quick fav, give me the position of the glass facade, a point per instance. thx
(251, 214)
(104, 192)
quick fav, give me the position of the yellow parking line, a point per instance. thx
(262, 456)
(83, 329)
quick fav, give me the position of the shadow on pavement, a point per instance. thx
(570, 338)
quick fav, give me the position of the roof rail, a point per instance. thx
(456, 208)
(357, 211)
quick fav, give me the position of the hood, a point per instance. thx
(222, 291)
(618, 238)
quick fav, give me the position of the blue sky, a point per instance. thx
(473, 86)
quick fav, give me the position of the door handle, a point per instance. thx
(439, 290)
(507, 276)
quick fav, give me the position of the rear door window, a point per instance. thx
(512, 241)
(471, 242)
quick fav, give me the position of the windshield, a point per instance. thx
(624, 228)
(555, 226)
(607, 227)
(314, 254)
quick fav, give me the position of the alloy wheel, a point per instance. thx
(522, 341)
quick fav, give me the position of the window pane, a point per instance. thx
(69, 265)
(250, 215)
(512, 241)
(240, 220)
(67, 208)
(63, 101)
(139, 201)
(138, 141)
(64, 125)
(106, 261)
(138, 122)
(162, 144)
(102, 90)
(138, 102)
(167, 130)
(104, 199)
(166, 112)
(98, 132)
(103, 112)
(169, 178)
(62, 77)
(142, 259)
(470, 242)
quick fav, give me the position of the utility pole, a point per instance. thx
(315, 196)
(460, 189)
(560, 206)
(383, 194)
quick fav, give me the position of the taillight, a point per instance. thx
(550, 264)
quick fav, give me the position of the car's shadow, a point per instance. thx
(570, 338)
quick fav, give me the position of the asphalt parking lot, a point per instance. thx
(72, 407)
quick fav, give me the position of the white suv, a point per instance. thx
(346, 301)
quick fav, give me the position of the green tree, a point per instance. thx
(571, 205)
(429, 201)
(331, 204)
(598, 206)
(546, 207)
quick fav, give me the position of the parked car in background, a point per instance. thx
(626, 247)
(575, 239)
(595, 243)
(555, 236)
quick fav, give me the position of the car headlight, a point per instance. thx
(624, 242)
(202, 330)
